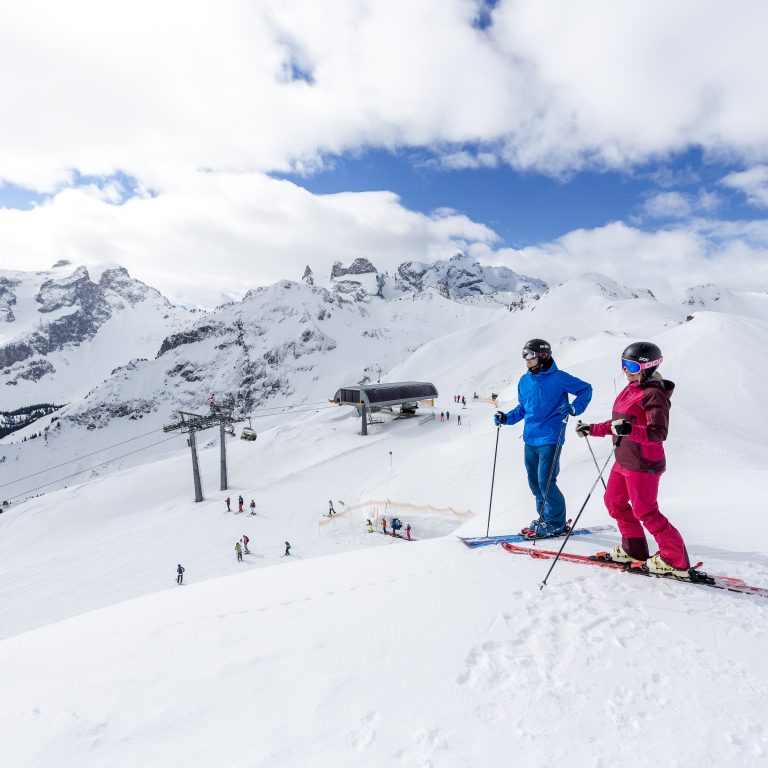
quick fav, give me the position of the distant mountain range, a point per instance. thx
(90, 358)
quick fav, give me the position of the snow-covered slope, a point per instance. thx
(384, 652)
(394, 653)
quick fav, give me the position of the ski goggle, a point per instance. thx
(632, 366)
(529, 354)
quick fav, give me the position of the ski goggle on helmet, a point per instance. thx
(633, 366)
(536, 348)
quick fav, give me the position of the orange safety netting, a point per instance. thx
(386, 504)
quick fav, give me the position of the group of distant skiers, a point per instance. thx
(395, 524)
(240, 504)
(638, 425)
(446, 416)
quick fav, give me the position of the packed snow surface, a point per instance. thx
(364, 650)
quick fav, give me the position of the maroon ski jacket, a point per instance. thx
(646, 406)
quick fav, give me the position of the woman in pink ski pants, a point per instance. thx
(639, 424)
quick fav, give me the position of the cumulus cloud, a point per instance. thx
(667, 205)
(753, 183)
(731, 254)
(212, 236)
(150, 88)
(680, 205)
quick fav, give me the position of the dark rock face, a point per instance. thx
(34, 370)
(120, 282)
(7, 299)
(358, 267)
(410, 276)
(308, 277)
(191, 336)
(93, 303)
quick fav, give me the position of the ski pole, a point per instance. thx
(594, 458)
(555, 456)
(493, 479)
(583, 507)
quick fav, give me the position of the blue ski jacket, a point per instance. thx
(540, 396)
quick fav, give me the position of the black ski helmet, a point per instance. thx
(542, 348)
(644, 352)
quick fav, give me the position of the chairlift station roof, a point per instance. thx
(380, 395)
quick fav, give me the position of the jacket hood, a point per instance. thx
(666, 386)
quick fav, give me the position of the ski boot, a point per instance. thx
(545, 531)
(656, 564)
(616, 555)
(532, 527)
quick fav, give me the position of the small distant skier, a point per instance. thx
(408, 531)
(331, 510)
(238, 551)
(458, 420)
(253, 507)
(442, 415)
(447, 415)
(240, 503)
(228, 502)
(245, 544)
(384, 525)
(396, 525)
(464, 401)
(369, 524)
(179, 573)
(287, 549)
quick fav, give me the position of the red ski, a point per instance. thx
(729, 583)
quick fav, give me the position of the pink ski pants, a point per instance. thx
(631, 498)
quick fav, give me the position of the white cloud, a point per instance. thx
(151, 88)
(672, 205)
(753, 183)
(211, 237)
(731, 254)
(680, 205)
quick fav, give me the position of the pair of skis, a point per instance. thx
(728, 583)
(511, 538)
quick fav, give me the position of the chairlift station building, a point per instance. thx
(368, 398)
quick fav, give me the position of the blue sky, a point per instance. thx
(528, 208)
(523, 208)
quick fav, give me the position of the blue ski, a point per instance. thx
(510, 538)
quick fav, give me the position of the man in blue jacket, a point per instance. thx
(542, 393)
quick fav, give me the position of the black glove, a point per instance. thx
(500, 418)
(621, 427)
(582, 429)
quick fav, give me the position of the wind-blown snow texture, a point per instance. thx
(384, 652)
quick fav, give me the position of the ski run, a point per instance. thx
(355, 650)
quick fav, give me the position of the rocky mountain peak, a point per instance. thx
(359, 266)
